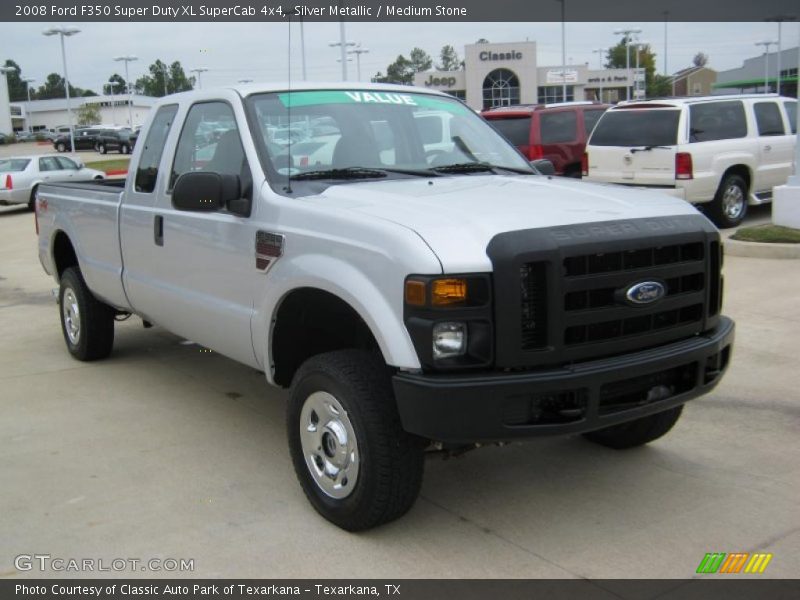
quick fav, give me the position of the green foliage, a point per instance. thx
(116, 89)
(768, 233)
(402, 69)
(88, 114)
(449, 60)
(615, 59)
(17, 89)
(164, 79)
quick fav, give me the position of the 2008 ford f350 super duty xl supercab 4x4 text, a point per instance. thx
(414, 297)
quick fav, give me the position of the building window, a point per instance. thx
(500, 88)
(460, 94)
(555, 93)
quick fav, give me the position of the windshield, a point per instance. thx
(14, 164)
(330, 133)
(637, 127)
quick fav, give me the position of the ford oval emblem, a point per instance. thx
(645, 292)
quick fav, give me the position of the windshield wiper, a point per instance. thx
(344, 173)
(648, 148)
(467, 167)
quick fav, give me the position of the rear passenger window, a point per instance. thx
(559, 127)
(590, 119)
(791, 112)
(147, 173)
(49, 163)
(768, 118)
(516, 130)
(716, 121)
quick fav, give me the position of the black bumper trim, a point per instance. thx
(469, 408)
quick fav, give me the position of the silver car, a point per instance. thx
(20, 175)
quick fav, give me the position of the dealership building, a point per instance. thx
(43, 115)
(508, 73)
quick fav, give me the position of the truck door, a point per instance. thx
(201, 272)
(776, 148)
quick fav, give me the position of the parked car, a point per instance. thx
(410, 301)
(556, 132)
(25, 136)
(85, 139)
(4, 138)
(119, 140)
(20, 176)
(721, 152)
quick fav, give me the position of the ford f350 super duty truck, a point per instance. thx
(415, 297)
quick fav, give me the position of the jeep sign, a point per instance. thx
(447, 82)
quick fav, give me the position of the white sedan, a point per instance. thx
(20, 175)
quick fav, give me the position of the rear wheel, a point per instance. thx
(87, 323)
(638, 432)
(101, 148)
(356, 464)
(61, 147)
(124, 149)
(730, 202)
(32, 201)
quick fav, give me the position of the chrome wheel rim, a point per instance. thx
(733, 202)
(72, 316)
(329, 445)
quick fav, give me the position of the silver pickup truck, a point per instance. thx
(416, 295)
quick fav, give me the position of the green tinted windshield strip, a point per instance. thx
(310, 98)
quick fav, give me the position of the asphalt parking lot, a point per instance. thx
(28, 148)
(165, 451)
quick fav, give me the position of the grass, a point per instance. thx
(114, 164)
(771, 234)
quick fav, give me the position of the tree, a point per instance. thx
(54, 88)
(402, 69)
(449, 60)
(88, 114)
(482, 41)
(164, 79)
(615, 59)
(178, 82)
(116, 89)
(700, 59)
(17, 89)
(420, 60)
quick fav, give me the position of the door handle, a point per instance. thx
(158, 230)
(767, 148)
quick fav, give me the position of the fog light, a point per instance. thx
(449, 339)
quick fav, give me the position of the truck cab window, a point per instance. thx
(147, 172)
(210, 141)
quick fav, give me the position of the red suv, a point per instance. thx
(556, 132)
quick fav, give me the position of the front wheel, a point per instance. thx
(355, 463)
(87, 323)
(730, 202)
(638, 432)
(61, 147)
(101, 148)
(124, 149)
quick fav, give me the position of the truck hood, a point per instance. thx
(458, 216)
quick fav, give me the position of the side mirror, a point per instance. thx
(544, 166)
(205, 191)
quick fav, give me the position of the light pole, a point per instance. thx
(666, 20)
(111, 85)
(303, 49)
(128, 58)
(5, 71)
(343, 44)
(358, 51)
(766, 45)
(563, 49)
(627, 33)
(28, 81)
(639, 46)
(63, 32)
(600, 52)
(199, 71)
(779, 19)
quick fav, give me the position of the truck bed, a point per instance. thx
(88, 212)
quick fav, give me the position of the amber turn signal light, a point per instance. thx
(448, 291)
(415, 293)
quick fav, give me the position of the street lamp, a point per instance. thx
(600, 52)
(128, 58)
(111, 85)
(343, 44)
(639, 46)
(358, 51)
(63, 32)
(627, 33)
(780, 19)
(563, 48)
(766, 45)
(199, 71)
(5, 71)
(28, 81)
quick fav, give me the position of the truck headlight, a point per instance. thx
(449, 339)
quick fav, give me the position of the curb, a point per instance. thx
(760, 249)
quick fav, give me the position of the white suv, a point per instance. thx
(724, 151)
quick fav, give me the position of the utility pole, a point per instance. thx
(766, 45)
(600, 52)
(627, 33)
(128, 58)
(199, 71)
(343, 44)
(65, 32)
(358, 51)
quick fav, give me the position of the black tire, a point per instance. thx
(95, 326)
(389, 460)
(61, 147)
(720, 209)
(124, 149)
(638, 432)
(101, 148)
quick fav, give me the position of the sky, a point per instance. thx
(259, 51)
